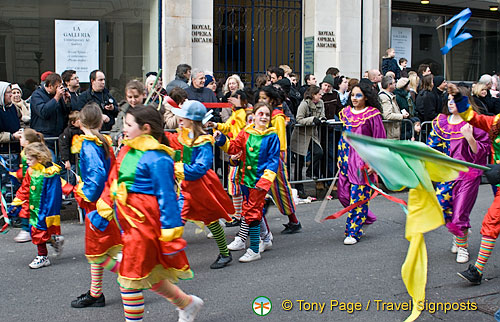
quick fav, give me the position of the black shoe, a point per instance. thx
(267, 203)
(472, 275)
(292, 228)
(235, 222)
(221, 261)
(86, 300)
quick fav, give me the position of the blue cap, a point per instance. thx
(208, 79)
(191, 110)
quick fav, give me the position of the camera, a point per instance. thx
(66, 90)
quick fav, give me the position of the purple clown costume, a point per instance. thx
(457, 197)
(351, 184)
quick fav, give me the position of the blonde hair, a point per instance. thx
(478, 88)
(413, 77)
(39, 151)
(286, 69)
(237, 78)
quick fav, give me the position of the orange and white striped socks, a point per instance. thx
(238, 206)
(133, 304)
(96, 271)
(487, 245)
(172, 293)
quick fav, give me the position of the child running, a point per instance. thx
(454, 137)
(102, 235)
(202, 196)
(257, 147)
(363, 117)
(491, 223)
(28, 136)
(40, 196)
(142, 187)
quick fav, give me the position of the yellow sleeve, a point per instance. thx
(280, 126)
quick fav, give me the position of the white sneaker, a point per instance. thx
(39, 261)
(462, 255)
(210, 235)
(236, 244)
(265, 245)
(249, 256)
(189, 313)
(349, 240)
(454, 247)
(58, 244)
(22, 237)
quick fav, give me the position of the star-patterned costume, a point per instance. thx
(351, 184)
(457, 197)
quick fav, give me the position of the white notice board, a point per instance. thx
(401, 42)
(77, 47)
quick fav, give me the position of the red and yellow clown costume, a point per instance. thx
(102, 235)
(40, 199)
(142, 188)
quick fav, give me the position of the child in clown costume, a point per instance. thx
(257, 147)
(28, 136)
(40, 196)
(491, 223)
(231, 128)
(363, 117)
(142, 188)
(202, 196)
(454, 137)
(281, 190)
(102, 235)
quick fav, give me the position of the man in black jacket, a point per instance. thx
(50, 107)
(99, 94)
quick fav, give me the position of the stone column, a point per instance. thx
(176, 37)
(336, 28)
(202, 34)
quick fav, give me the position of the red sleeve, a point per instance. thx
(483, 122)
(173, 140)
(238, 144)
(23, 193)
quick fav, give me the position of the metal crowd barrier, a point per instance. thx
(318, 164)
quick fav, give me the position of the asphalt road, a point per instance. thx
(312, 266)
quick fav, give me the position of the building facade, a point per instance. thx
(246, 36)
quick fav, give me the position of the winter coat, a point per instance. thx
(48, 116)
(426, 106)
(65, 142)
(177, 82)
(101, 98)
(391, 112)
(302, 135)
(116, 131)
(390, 64)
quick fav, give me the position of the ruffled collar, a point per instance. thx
(77, 141)
(53, 169)
(185, 138)
(351, 119)
(146, 142)
(445, 129)
(250, 129)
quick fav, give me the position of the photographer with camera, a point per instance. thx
(99, 94)
(50, 107)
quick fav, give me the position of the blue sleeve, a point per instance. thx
(96, 171)
(274, 153)
(43, 109)
(221, 140)
(201, 164)
(161, 171)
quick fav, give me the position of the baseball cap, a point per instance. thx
(191, 110)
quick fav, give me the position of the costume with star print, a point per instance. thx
(351, 184)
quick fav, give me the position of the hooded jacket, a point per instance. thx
(48, 116)
(9, 118)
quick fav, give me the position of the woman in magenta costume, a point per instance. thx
(363, 117)
(102, 235)
(454, 137)
(142, 187)
(202, 196)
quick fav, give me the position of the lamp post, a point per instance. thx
(39, 60)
